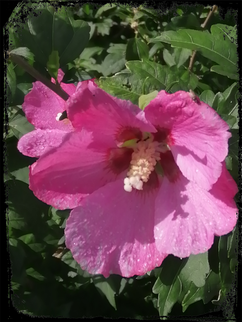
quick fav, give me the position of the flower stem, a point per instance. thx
(33, 72)
(214, 8)
(203, 25)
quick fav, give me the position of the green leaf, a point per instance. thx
(205, 293)
(229, 162)
(190, 79)
(153, 14)
(225, 71)
(83, 276)
(196, 269)
(179, 11)
(230, 101)
(230, 94)
(233, 242)
(24, 52)
(198, 281)
(112, 64)
(21, 90)
(156, 76)
(16, 163)
(50, 31)
(203, 86)
(79, 31)
(168, 286)
(105, 285)
(156, 47)
(11, 79)
(15, 220)
(234, 153)
(68, 259)
(226, 105)
(136, 49)
(120, 86)
(53, 64)
(61, 213)
(90, 52)
(107, 8)
(155, 73)
(224, 265)
(181, 55)
(123, 283)
(207, 97)
(193, 295)
(20, 125)
(184, 21)
(233, 265)
(30, 240)
(232, 255)
(215, 48)
(218, 98)
(51, 239)
(168, 58)
(33, 273)
(144, 100)
(117, 49)
(21, 203)
(86, 9)
(104, 26)
(230, 119)
(144, 77)
(225, 30)
(185, 281)
(84, 70)
(62, 240)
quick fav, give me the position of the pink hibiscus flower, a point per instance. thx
(155, 181)
(43, 108)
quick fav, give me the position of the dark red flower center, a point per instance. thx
(144, 159)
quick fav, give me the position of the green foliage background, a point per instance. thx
(132, 52)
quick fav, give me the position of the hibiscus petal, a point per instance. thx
(113, 232)
(225, 188)
(203, 171)
(54, 198)
(41, 106)
(38, 142)
(97, 111)
(78, 165)
(187, 217)
(194, 127)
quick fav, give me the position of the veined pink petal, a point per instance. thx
(60, 76)
(194, 127)
(38, 142)
(225, 188)
(113, 232)
(41, 106)
(78, 165)
(54, 198)
(187, 217)
(203, 171)
(95, 110)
